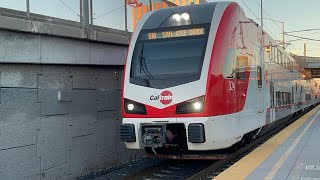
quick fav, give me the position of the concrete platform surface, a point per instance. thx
(294, 153)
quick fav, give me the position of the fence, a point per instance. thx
(106, 13)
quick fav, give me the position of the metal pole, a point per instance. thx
(81, 14)
(91, 13)
(28, 8)
(261, 15)
(125, 16)
(150, 5)
(85, 13)
(283, 44)
(305, 52)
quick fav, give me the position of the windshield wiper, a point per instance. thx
(143, 64)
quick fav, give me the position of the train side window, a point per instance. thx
(276, 57)
(277, 99)
(292, 95)
(259, 76)
(285, 98)
(241, 65)
(228, 67)
(270, 50)
(271, 94)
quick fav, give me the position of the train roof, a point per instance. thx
(200, 14)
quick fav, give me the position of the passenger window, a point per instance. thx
(242, 63)
(278, 56)
(259, 76)
(228, 66)
(270, 50)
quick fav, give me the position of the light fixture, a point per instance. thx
(130, 107)
(176, 17)
(192, 106)
(185, 16)
(197, 106)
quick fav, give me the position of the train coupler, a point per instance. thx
(153, 136)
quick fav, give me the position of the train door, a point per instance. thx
(272, 102)
(260, 100)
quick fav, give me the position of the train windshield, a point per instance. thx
(163, 59)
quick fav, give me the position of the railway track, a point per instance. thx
(216, 168)
(172, 169)
(195, 169)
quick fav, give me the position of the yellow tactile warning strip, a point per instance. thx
(247, 164)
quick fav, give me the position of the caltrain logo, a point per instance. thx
(165, 97)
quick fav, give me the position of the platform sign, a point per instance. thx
(174, 33)
(315, 72)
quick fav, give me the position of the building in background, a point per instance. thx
(143, 8)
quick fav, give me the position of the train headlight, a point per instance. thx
(132, 107)
(185, 16)
(192, 106)
(176, 17)
(197, 106)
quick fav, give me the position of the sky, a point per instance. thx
(296, 15)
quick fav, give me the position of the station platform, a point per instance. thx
(294, 153)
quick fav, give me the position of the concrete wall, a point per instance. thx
(18, 47)
(59, 121)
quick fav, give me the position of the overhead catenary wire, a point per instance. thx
(69, 8)
(304, 30)
(109, 12)
(257, 18)
(306, 38)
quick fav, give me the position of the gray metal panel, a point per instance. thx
(54, 141)
(52, 80)
(112, 55)
(18, 47)
(108, 79)
(83, 112)
(84, 153)
(60, 172)
(108, 100)
(19, 120)
(64, 51)
(21, 76)
(106, 132)
(23, 109)
(20, 163)
(84, 77)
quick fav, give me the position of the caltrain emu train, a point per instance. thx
(205, 77)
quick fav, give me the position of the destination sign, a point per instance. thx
(174, 34)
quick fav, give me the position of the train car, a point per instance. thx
(205, 77)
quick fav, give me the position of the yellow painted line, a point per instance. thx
(247, 164)
(284, 157)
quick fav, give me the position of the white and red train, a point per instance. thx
(205, 77)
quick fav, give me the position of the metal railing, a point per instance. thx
(89, 13)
